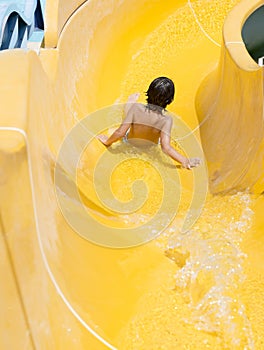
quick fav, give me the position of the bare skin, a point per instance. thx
(145, 124)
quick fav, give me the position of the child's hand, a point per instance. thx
(194, 162)
(133, 98)
(191, 163)
(102, 138)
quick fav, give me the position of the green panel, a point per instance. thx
(253, 33)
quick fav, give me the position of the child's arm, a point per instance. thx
(117, 134)
(165, 138)
(121, 131)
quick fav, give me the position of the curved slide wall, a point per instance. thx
(57, 13)
(57, 285)
(230, 106)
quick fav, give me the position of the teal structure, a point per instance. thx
(21, 23)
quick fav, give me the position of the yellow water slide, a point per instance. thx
(198, 288)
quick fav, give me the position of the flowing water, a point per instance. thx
(203, 298)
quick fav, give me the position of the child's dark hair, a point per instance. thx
(160, 93)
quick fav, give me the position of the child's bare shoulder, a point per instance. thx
(138, 109)
(139, 106)
(172, 115)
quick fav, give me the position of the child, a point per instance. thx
(150, 122)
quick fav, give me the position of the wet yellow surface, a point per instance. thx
(198, 290)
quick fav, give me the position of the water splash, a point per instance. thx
(210, 272)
